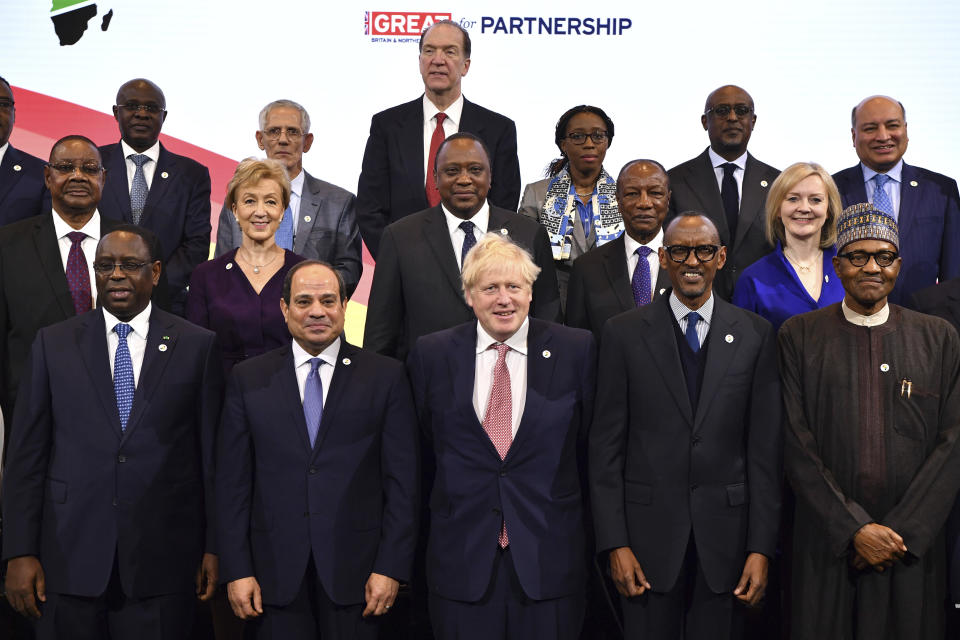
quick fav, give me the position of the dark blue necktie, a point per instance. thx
(881, 200)
(123, 385)
(469, 240)
(691, 334)
(731, 198)
(642, 293)
(313, 400)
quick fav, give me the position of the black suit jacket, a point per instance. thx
(177, 211)
(416, 286)
(392, 180)
(694, 187)
(33, 294)
(600, 287)
(23, 193)
(661, 471)
(82, 495)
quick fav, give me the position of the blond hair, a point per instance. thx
(786, 181)
(251, 172)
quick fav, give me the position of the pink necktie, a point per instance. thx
(498, 418)
(433, 196)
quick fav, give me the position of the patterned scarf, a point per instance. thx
(559, 209)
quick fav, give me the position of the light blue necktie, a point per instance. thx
(691, 334)
(123, 385)
(138, 190)
(313, 400)
(881, 200)
(284, 234)
(469, 240)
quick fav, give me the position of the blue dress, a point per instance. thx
(770, 288)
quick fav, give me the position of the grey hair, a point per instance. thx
(304, 116)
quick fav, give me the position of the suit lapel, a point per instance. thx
(662, 345)
(539, 378)
(615, 266)
(704, 183)
(754, 193)
(45, 243)
(342, 380)
(438, 238)
(165, 173)
(469, 121)
(160, 334)
(310, 202)
(909, 198)
(410, 139)
(284, 386)
(724, 340)
(663, 284)
(462, 361)
(91, 336)
(116, 183)
(9, 176)
(852, 186)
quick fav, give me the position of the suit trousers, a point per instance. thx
(114, 616)
(312, 615)
(690, 610)
(506, 613)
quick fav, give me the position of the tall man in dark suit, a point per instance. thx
(416, 287)
(22, 190)
(727, 184)
(46, 271)
(506, 401)
(347, 454)
(397, 178)
(151, 187)
(322, 224)
(685, 449)
(926, 205)
(109, 482)
(624, 273)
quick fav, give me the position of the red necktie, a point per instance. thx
(499, 417)
(433, 196)
(78, 274)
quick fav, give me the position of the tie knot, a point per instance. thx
(315, 365)
(122, 329)
(881, 179)
(729, 168)
(467, 227)
(139, 159)
(76, 237)
(693, 317)
(644, 251)
(440, 118)
(500, 348)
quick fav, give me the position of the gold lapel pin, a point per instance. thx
(306, 218)
(884, 367)
(162, 347)
(17, 167)
(346, 361)
(662, 290)
(913, 183)
(503, 232)
(728, 338)
(164, 175)
(229, 265)
(763, 183)
(546, 353)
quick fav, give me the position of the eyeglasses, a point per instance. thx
(861, 258)
(292, 133)
(723, 110)
(580, 138)
(703, 252)
(6, 104)
(68, 168)
(107, 268)
(152, 109)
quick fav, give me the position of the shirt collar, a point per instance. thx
(3, 150)
(719, 161)
(631, 245)
(894, 173)
(480, 220)
(92, 228)
(296, 184)
(860, 320)
(153, 152)
(140, 323)
(328, 355)
(453, 112)
(517, 342)
(681, 310)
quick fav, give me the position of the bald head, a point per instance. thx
(140, 111)
(691, 220)
(879, 132)
(728, 118)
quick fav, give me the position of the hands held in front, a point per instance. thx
(26, 585)
(380, 594)
(877, 546)
(753, 581)
(626, 573)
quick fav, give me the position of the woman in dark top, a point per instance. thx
(238, 294)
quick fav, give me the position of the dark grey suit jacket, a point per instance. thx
(694, 187)
(326, 229)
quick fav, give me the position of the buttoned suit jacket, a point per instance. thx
(600, 287)
(177, 211)
(535, 489)
(79, 492)
(392, 178)
(694, 188)
(23, 192)
(326, 230)
(351, 500)
(661, 471)
(416, 286)
(33, 294)
(929, 225)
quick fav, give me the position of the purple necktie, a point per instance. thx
(78, 274)
(642, 291)
(313, 400)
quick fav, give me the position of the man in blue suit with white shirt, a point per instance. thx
(926, 205)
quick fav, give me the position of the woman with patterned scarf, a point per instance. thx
(577, 203)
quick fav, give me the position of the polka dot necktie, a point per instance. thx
(497, 421)
(880, 198)
(642, 290)
(138, 189)
(123, 385)
(313, 400)
(78, 274)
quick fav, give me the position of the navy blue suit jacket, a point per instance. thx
(177, 211)
(78, 491)
(392, 180)
(23, 193)
(929, 224)
(536, 489)
(351, 500)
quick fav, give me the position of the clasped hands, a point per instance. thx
(877, 546)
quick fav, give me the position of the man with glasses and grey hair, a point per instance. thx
(320, 223)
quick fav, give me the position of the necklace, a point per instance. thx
(257, 267)
(804, 268)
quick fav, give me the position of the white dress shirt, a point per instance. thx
(88, 245)
(516, 361)
(872, 320)
(681, 310)
(653, 259)
(149, 168)
(892, 187)
(296, 191)
(3, 150)
(136, 339)
(301, 363)
(718, 163)
(450, 126)
(481, 222)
